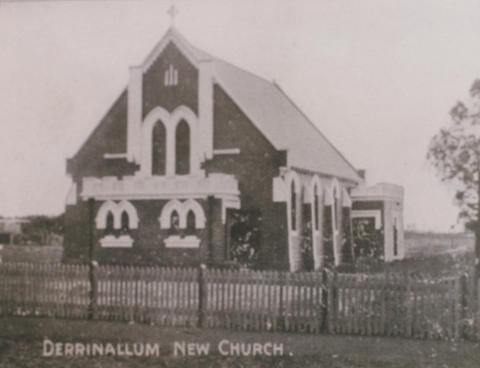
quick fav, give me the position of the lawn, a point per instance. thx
(21, 346)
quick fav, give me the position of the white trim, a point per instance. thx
(131, 212)
(170, 122)
(346, 200)
(229, 203)
(101, 218)
(134, 114)
(182, 210)
(116, 209)
(375, 214)
(204, 133)
(160, 187)
(123, 241)
(290, 177)
(316, 183)
(227, 151)
(205, 108)
(165, 216)
(174, 241)
(193, 205)
(279, 191)
(71, 199)
(115, 155)
(170, 36)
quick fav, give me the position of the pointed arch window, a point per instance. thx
(182, 148)
(125, 222)
(335, 209)
(190, 223)
(293, 204)
(109, 223)
(174, 222)
(316, 208)
(158, 148)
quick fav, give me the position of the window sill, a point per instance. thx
(110, 241)
(174, 241)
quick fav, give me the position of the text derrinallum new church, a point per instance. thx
(198, 161)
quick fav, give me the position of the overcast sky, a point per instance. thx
(377, 77)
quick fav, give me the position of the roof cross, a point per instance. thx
(173, 11)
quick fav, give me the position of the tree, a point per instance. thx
(455, 153)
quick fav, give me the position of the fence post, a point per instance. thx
(202, 295)
(332, 302)
(92, 308)
(92, 265)
(281, 308)
(325, 301)
(461, 287)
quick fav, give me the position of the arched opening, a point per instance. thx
(335, 209)
(109, 223)
(125, 222)
(190, 223)
(328, 234)
(316, 208)
(293, 206)
(158, 149)
(174, 223)
(182, 148)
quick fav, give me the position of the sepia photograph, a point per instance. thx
(225, 183)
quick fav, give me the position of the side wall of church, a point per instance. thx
(254, 167)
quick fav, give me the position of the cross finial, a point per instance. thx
(173, 11)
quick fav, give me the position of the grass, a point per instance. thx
(21, 346)
(32, 253)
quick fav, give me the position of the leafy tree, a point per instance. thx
(455, 153)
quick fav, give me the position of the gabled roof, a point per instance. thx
(273, 113)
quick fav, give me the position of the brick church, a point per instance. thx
(199, 161)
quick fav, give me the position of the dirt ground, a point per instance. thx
(22, 343)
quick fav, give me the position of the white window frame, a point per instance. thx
(170, 122)
(182, 209)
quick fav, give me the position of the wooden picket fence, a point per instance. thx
(41, 289)
(396, 305)
(315, 302)
(264, 300)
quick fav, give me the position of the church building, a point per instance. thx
(199, 161)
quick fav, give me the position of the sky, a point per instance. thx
(377, 77)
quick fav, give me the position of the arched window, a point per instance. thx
(335, 209)
(158, 149)
(182, 148)
(174, 222)
(109, 223)
(125, 221)
(190, 223)
(316, 207)
(395, 238)
(293, 205)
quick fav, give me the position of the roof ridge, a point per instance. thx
(314, 126)
(176, 33)
(263, 79)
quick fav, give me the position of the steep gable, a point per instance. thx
(263, 102)
(156, 93)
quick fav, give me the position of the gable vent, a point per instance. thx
(170, 77)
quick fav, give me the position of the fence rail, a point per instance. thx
(327, 302)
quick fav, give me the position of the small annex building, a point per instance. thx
(199, 161)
